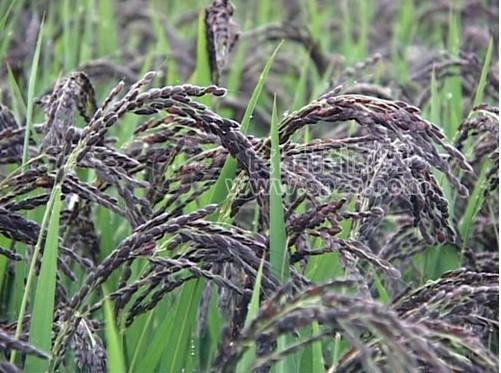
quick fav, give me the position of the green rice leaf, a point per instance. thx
(43, 307)
(315, 21)
(475, 203)
(288, 363)
(278, 239)
(202, 74)
(318, 358)
(113, 345)
(8, 14)
(4, 262)
(3, 19)
(253, 309)
(31, 96)
(19, 104)
(453, 85)
(107, 30)
(384, 297)
(70, 36)
(172, 340)
(300, 92)
(435, 99)
(264, 9)
(88, 32)
(220, 189)
(479, 94)
(312, 359)
(142, 342)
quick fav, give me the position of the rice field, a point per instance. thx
(249, 186)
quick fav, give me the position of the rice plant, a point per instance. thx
(208, 186)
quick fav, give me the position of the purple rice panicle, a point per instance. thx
(222, 35)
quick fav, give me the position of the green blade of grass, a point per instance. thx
(31, 96)
(202, 73)
(88, 32)
(19, 105)
(347, 42)
(299, 100)
(113, 345)
(220, 189)
(201, 76)
(435, 255)
(479, 94)
(10, 14)
(405, 23)
(71, 34)
(244, 128)
(179, 354)
(318, 358)
(107, 38)
(171, 342)
(141, 342)
(163, 43)
(383, 295)
(314, 17)
(253, 307)
(475, 203)
(5, 16)
(43, 307)
(67, 42)
(4, 263)
(434, 99)
(365, 18)
(156, 347)
(453, 84)
(405, 27)
(312, 359)
(278, 238)
(19, 277)
(180, 326)
(301, 92)
(211, 339)
(263, 11)
(252, 311)
(288, 363)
